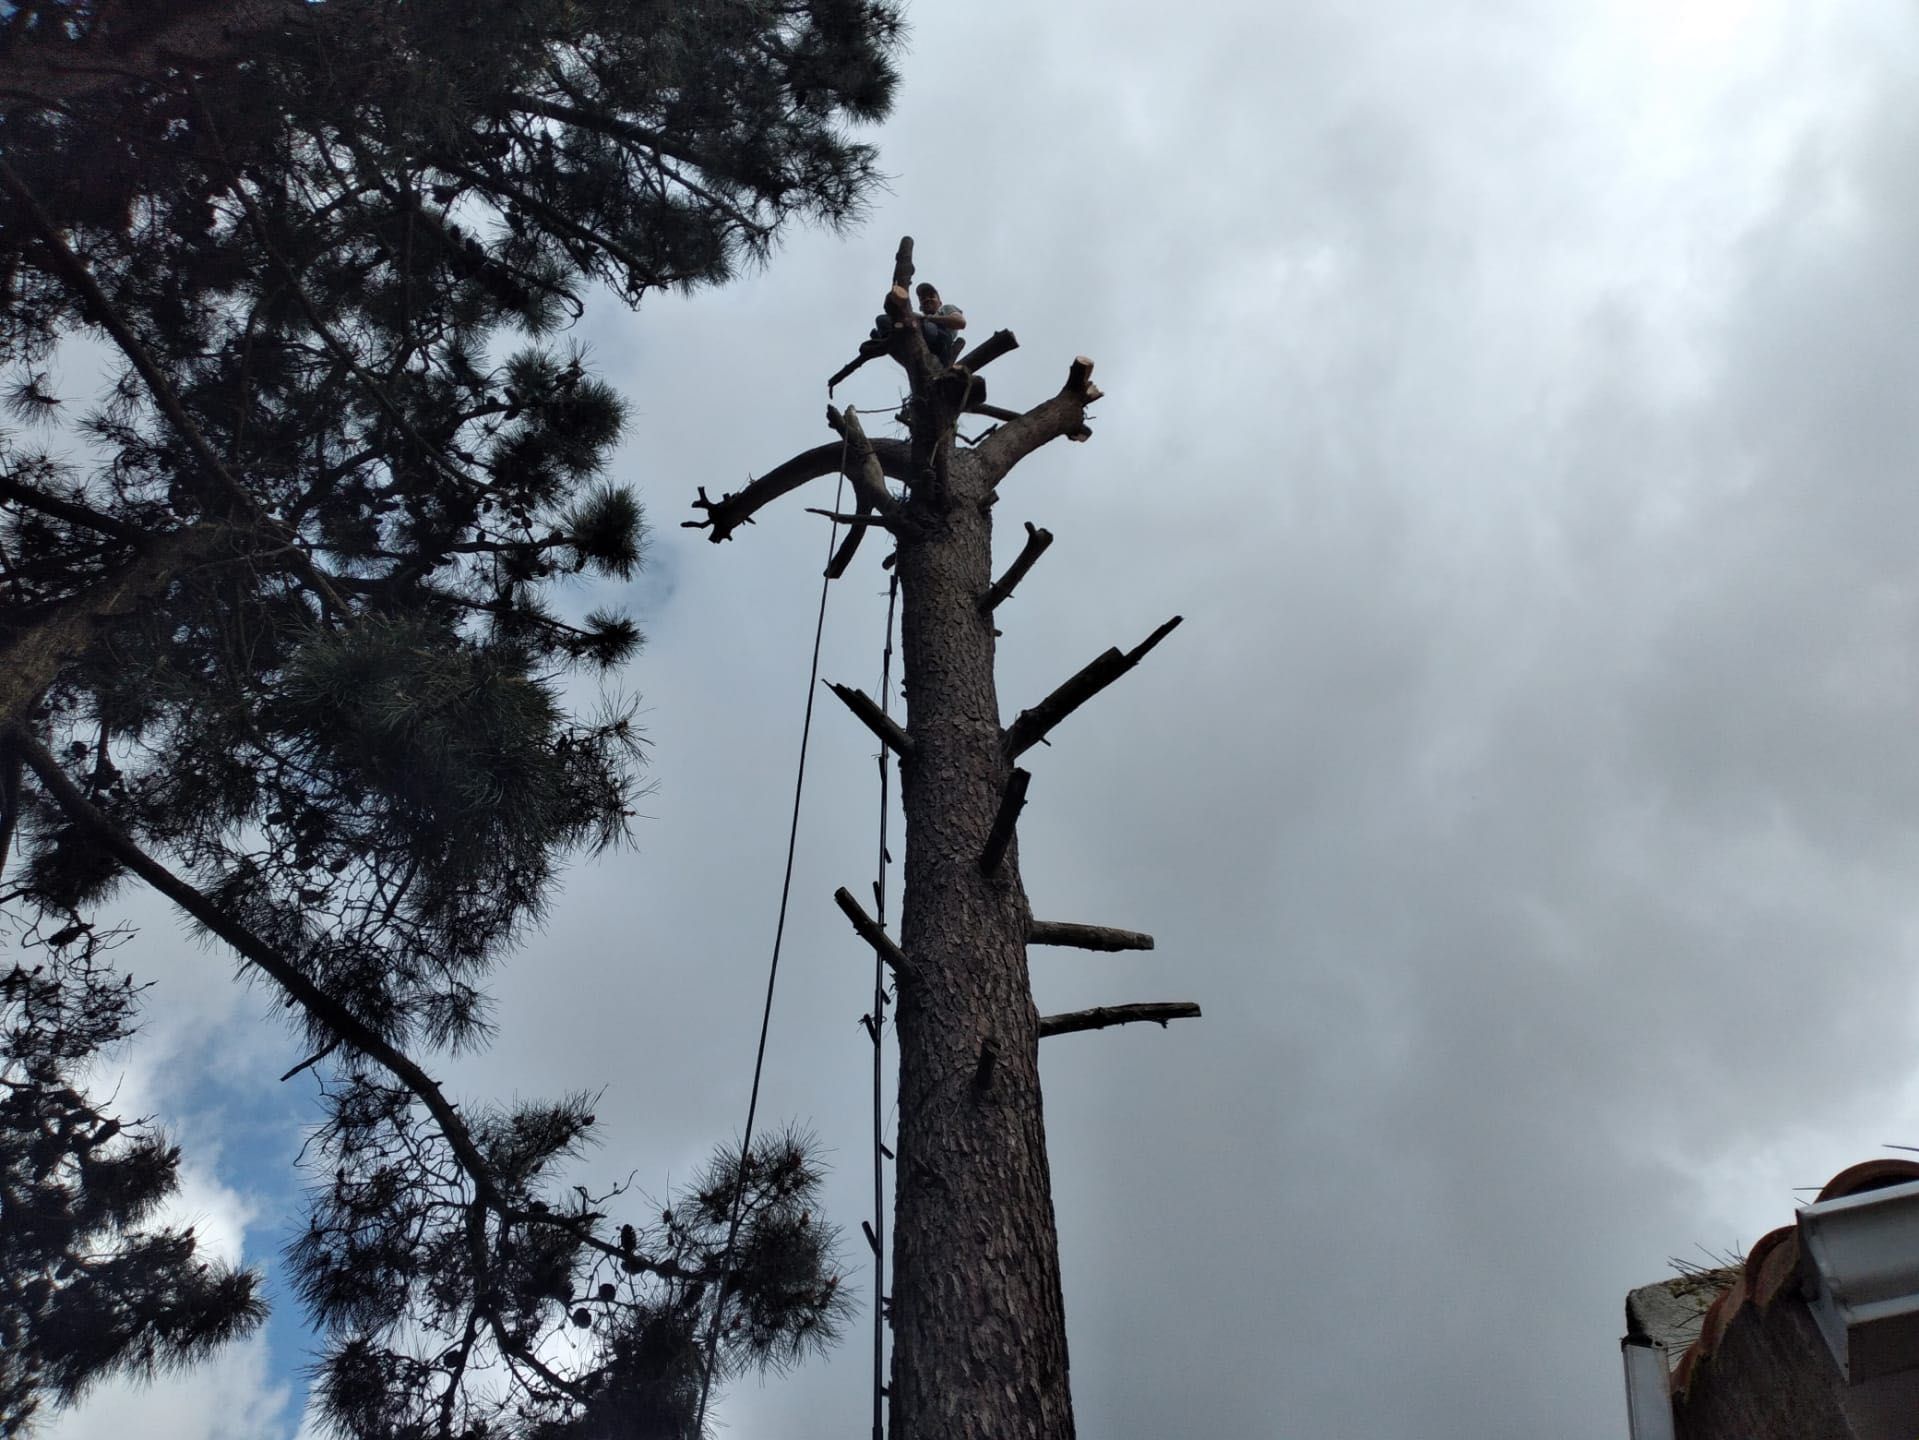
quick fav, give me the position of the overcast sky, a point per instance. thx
(1516, 400)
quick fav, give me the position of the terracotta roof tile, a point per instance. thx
(1870, 1175)
(1772, 1263)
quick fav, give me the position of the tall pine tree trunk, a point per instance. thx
(979, 1328)
(979, 1334)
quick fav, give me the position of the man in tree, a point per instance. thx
(939, 325)
(289, 653)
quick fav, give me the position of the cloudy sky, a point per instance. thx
(1516, 401)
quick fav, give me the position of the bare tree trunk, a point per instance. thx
(979, 1326)
(979, 1330)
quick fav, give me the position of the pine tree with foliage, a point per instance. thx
(84, 1291)
(289, 644)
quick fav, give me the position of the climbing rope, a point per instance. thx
(878, 1017)
(772, 973)
(879, 1030)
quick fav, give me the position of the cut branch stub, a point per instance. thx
(1011, 802)
(903, 263)
(1000, 342)
(988, 1062)
(1101, 1016)
(873, 718)
(869, 930)
(1086, 937)
(1036, 542)
(1033, 725)
(1063, 414)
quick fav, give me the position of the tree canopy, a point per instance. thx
(279, 628)
(83, 1288)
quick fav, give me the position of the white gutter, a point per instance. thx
(1648, 1389)
(1860, 1259)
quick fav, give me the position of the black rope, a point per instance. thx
(879, 1029)
(772, 975)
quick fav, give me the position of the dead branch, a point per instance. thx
(863, 465)
(729, 512)
(869, 930)
(863, 518)
(1033, 725)
(1000, 342)
(869, 350)
(1100, 1016)
(1063, 414)
(1036, 542)
(1086, 937)
(1011, 802)
(873, 718)
(848, 547)
(992, 412)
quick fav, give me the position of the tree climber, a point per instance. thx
(938, 323)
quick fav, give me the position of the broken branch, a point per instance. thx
(843, 556)
(869, 930)
(1100, 1016)
(869, 350)
(1036, 542)
(1086, 937)
(1011, 802)
(729, 512)
(1033, 725)
(863, 466)
(873, 718)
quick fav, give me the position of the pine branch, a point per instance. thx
(1036, 542)
(1102, 1016)
(869, 930)
(72, 270)
(729, 512)
(1086, 937)
(352, 1030)
(1012, 800)
(873, 718)
(1032, 726)
(71, 512)
(32, 659)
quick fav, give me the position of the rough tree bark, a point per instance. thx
(979, 1333)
